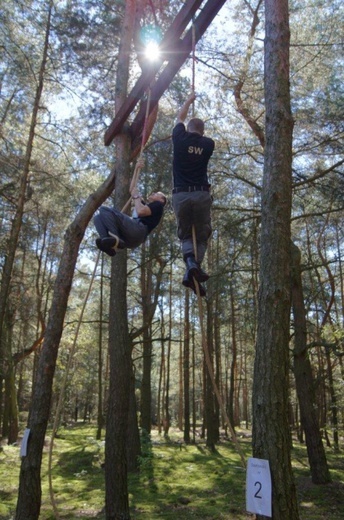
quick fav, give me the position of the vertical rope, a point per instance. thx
(193, 64)
(143, 142)
(138, 165)
(145, 124)
(194, 241)
(212, 377)
(209, 363)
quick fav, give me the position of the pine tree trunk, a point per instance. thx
(304, 379)
(10, 422)
(117, 422)
(100, 414)
(150, 295)
(186, 368)
(271, 435)
(146, 384)
(146, 390)
(166, 414)
(116, 494)
(193, 364)
(133, 436)
(333, 400)
(161, 382)
(181, 387)
(166, 403)
(5, 347)
(233, 372)
(11, 416)
(218, 364)
(211, 420)
(29, 495)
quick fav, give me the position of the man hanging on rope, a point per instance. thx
(118, 231)
(191, 198)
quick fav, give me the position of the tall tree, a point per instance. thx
(186, 368)
(149, 298)
(29, 494)
(116, 472)
(100, 414)
(271, 435)
(304, 379)
(6, 364)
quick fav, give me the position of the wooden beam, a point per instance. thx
(183, 49)
(173, 32)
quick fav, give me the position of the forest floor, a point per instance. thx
(176, 481)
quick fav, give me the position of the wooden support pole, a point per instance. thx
(182, 50)
(175, 51)
(172, 34)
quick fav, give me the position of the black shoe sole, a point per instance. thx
(198, 274)
(119, 244)
(106, 247)
(191, 285)
(201, 276)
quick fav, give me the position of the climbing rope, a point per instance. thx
(199, 298)
(139, 162)
(193, 64)
(209, 362)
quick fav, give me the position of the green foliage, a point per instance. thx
(69, 161)
(175, 480)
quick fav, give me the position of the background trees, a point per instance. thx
(68, 161)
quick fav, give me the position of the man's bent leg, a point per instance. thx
(105, 220)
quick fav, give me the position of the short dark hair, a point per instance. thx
(196, 125)
(163, 196)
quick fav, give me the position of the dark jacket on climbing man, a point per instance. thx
(151, 221)
(191, 154)
(133, 231)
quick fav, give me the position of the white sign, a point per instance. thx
(258, 487)
(23, 447)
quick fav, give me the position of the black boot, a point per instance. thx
(195, 270)
(189, 282)
(203, 276)
(107, 250)
(110, 245)
(119, 244)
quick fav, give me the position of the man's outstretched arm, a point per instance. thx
(183, 112)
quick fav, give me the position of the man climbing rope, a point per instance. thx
(118, 231)
(191, 198)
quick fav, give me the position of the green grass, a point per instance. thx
(176, 481)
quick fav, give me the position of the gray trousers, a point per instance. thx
(193, 209)
(109, 221)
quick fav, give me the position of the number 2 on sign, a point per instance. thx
(258, 487)
(257, 495)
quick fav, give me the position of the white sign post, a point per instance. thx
(258, 487)
(23, 447)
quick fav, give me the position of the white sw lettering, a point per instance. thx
(195, 149)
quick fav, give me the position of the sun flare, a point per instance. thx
(152, 51)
